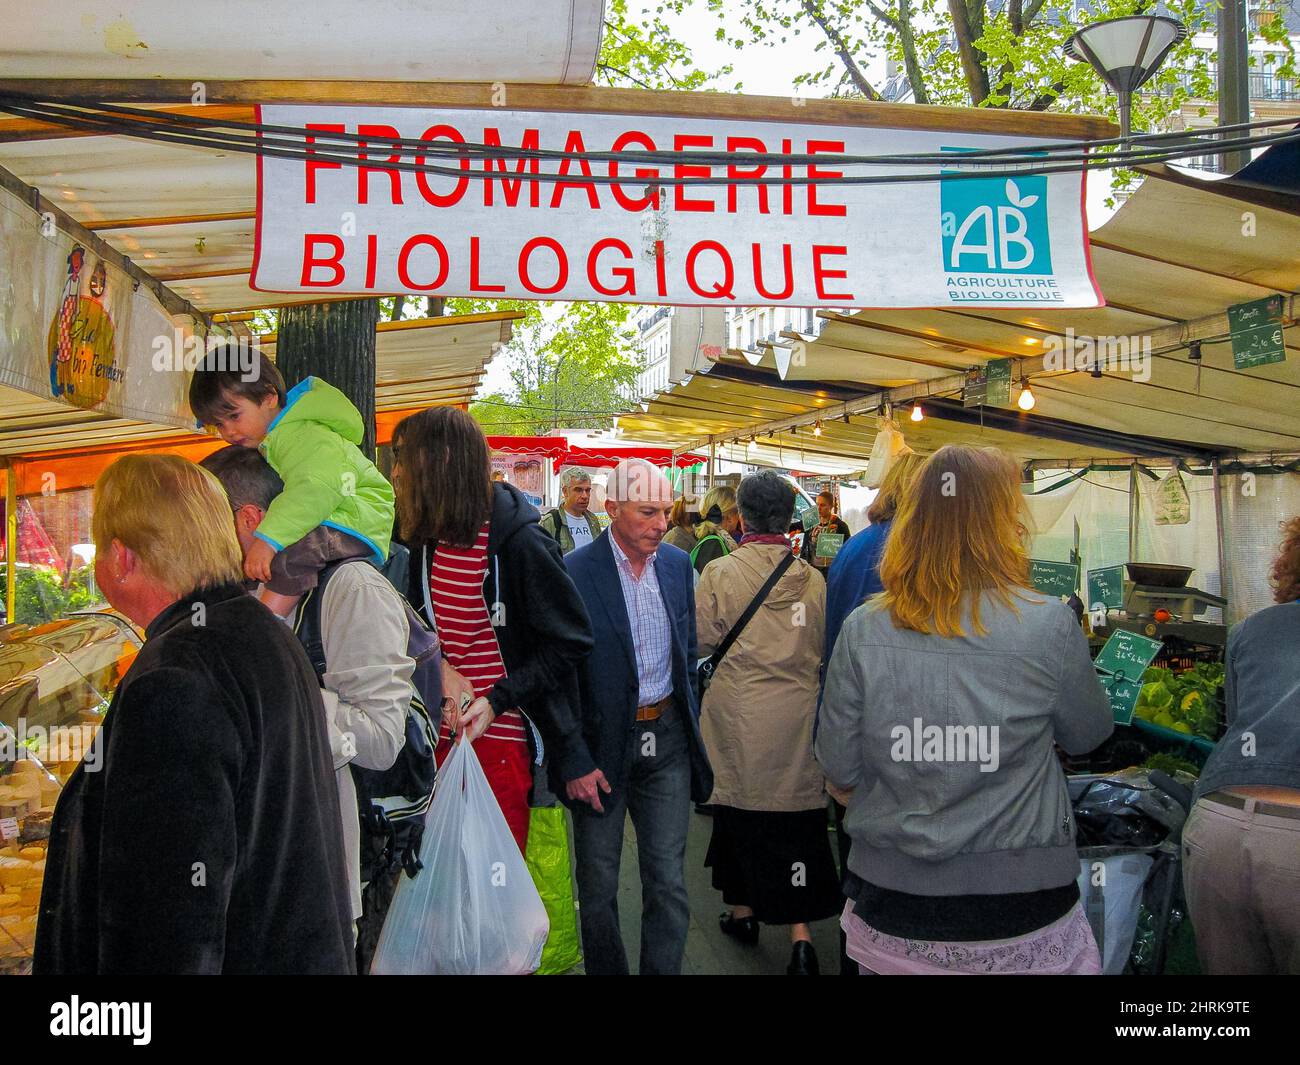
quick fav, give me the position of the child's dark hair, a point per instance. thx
(232, 369)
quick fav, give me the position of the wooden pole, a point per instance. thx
(334, 341)
(11, 542)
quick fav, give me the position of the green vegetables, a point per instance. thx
(1168, 763)
(1186, 702)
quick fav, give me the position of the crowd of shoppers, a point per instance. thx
(919, 686)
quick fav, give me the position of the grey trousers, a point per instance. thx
(1241, 874)
(656, 792)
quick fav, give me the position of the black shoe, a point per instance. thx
(803, 960)
(744, 929)
(704, 809)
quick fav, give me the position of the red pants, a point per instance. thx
(509, 772)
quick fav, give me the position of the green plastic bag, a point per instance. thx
(548, 862)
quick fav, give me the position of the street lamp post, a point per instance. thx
(1126, 52)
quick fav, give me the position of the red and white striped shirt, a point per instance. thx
(464, 626)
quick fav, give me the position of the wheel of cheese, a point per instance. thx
(14, 871)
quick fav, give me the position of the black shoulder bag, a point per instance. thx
(709, 666)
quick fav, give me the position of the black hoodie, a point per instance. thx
(541, 625)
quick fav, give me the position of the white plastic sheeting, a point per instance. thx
(1254, 507)
(539, 42)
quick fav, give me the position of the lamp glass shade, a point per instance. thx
(1126, 51)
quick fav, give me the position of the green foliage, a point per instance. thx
(644, 53)
(41, 595)
(1013, 55)
(570, 364)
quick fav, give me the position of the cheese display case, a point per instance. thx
(56, 681)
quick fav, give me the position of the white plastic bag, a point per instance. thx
(889, 445)
(1173, 504)
(473, 909)
(1112, 898)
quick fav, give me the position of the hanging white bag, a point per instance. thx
(888, 446)
(473, 909)
(1173, 504)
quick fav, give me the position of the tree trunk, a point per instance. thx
(336, 342)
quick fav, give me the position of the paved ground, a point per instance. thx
(708, 951)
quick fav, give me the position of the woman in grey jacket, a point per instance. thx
(943, 701)
(1242, 841)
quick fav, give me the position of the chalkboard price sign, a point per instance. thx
(999, 382)
(1054, 578)
(1128, 653)
(975, 391)
(1106, 587)
(1256, 329)
(1123, 696)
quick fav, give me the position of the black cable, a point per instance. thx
(1036, 165)
(455, 148)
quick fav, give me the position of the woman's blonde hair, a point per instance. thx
(959, 531)
(176, 518)
(894, 487)
(722, 497)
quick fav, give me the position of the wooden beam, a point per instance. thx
(33, 129)
(597, 99)
(169, 220)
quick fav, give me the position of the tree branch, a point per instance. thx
(906, 38)
(1014, 11)
(1045, 100)
(1031, 11)
(841, 47)
(967, 27)
(616, 70)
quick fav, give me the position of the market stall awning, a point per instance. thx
(1170, 283)
(729, 401)
(542, 41)
(419, 363)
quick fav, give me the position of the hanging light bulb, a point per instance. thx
(1026, 400)
(917, 413)
(817, 429)
(753, 445)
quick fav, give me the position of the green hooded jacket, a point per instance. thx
(312, 445)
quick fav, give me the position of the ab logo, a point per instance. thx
(995, 225)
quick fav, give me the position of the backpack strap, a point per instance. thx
(306, 619)
(704, 540)
(710, 665)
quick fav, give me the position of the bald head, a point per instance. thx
(638, 499)
(638, 481)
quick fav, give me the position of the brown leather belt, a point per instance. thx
(1272, 809)
(655, 710)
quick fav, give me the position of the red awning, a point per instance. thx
(611, 456)
(551, 447)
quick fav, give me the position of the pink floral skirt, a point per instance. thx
(1064, 948)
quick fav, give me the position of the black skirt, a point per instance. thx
(778, 864)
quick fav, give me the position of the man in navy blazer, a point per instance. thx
(640, 720)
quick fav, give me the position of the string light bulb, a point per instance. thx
(918, 414)
(1026, 400)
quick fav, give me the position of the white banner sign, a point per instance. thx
(74, 327)
(489, 229)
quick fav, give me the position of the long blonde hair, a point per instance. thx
(176, 518)
(894, 486)
(724, 498)
(959, 532)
